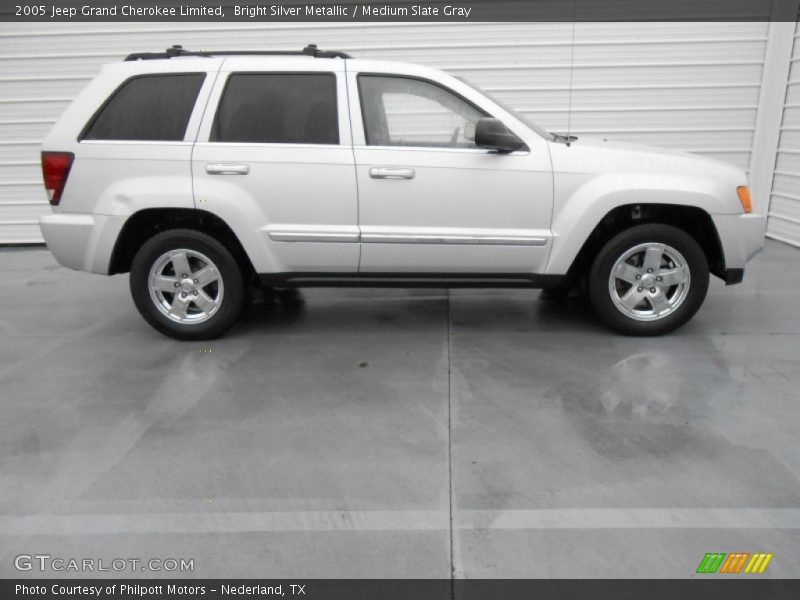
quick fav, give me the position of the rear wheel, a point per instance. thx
(648, 280)
(187, 285)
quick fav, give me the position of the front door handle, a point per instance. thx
(391, 173)
(227, 169)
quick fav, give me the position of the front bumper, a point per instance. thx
(733, 276)
(81, 242)
(742, 237)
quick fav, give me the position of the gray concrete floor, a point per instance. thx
(399, 433)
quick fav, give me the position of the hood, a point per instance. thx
(597, 168)
(600, 155)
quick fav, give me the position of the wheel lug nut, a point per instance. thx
(659, 278)
(649, 270)
(177, 284)
(639, 289)
(183, 294)
(652, 290)
(637, 277)
(195, 292)
(196, 280)
(184, 276)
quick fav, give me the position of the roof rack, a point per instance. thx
(177, 50)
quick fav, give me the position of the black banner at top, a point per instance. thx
(397, 10)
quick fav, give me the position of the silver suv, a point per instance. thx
(205, 173)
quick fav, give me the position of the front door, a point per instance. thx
(430, 200)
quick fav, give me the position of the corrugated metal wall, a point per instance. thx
(690, 86)
(784, 210)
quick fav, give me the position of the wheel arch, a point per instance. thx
(144, 224)
(693, 220)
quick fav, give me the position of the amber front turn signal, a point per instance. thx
(744, 197)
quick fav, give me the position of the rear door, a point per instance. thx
(274, 160)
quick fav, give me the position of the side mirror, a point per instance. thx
(492, 133)
(469, 132)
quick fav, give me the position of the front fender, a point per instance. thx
(579, 213)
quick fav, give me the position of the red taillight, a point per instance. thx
(55, 168)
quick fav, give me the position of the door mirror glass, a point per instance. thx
(493, 134)
(469, 132)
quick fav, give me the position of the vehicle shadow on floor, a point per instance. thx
(518, 311)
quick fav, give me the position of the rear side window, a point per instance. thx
(278, 108)
(148, 108)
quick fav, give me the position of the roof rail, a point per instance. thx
(177, 50)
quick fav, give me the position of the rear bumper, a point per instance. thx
(742, 237)
(81, 242)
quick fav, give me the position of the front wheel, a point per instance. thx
(187, 285)
(648, 280)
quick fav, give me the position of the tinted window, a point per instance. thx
(150, 107)
(399, 111)
(277, 108)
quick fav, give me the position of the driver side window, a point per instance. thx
(400, 111)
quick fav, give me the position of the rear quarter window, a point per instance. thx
(147, 108)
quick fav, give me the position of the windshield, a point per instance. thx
(542, 132)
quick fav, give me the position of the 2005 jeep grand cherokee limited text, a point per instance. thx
(206, 173)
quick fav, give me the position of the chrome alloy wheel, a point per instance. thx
(649, 281)
(186, 286)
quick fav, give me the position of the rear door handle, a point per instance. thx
(391, 173)
(227, 169)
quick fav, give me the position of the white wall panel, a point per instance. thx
(784, 209)
(690, 86)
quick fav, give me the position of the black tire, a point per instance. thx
(229, 271)
(600, 293)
